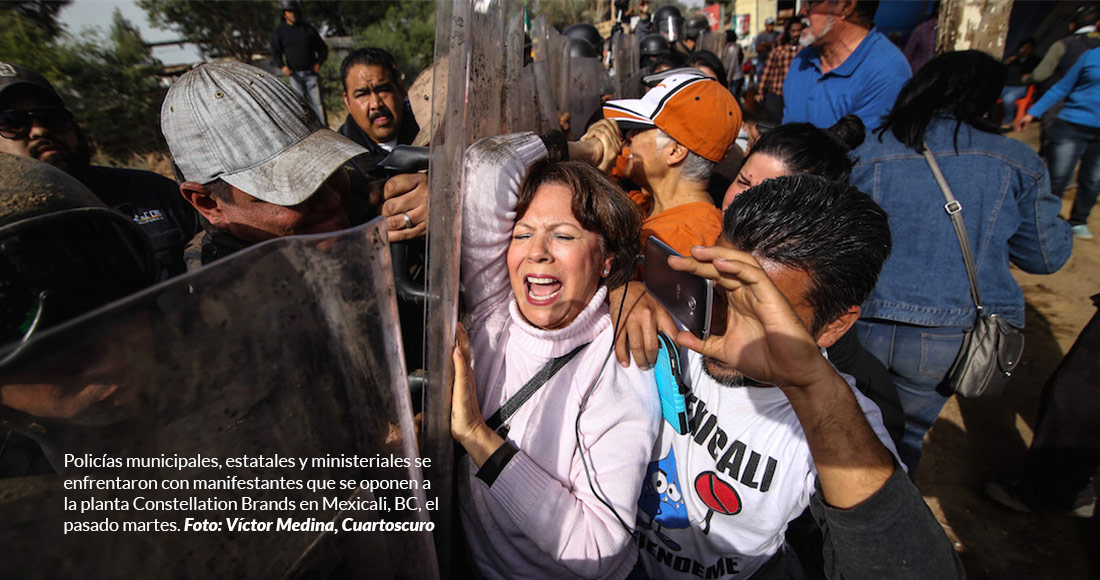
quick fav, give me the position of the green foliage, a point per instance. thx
(332, 92)
(107, 79)
(219, 28)
(24, 43)
(110, 84)
(341, 17)
(42, 14)
(562, 13)
(407, 32)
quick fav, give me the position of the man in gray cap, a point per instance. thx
(763, 45)
(253, 159)
(35, 123)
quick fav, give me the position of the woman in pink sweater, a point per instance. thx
(552, 492)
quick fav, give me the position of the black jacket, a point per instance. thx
(153, 202)
(367, 162)
(298, 47)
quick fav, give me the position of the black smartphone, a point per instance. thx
(687, 297)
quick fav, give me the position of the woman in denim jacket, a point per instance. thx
(914, 320)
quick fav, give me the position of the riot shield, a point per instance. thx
(710, 40)
(548, 47)
(248, 420)
(585, 75)
(624, 48)
(539, 113)
(483, 86)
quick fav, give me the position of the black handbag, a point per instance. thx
(991, 348)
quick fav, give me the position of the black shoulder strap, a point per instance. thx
(517, 400)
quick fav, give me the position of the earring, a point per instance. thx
(607, 271)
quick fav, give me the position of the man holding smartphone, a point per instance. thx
(773, 427)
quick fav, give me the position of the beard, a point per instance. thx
(65, 158)
(808, 37)
(727, 376)
(62, 154)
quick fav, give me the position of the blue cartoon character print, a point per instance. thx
(661, 504)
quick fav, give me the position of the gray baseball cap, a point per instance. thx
(236, 122)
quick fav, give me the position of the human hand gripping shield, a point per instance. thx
(764, 338)
(604, 141)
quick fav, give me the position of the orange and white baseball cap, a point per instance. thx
(693, 109)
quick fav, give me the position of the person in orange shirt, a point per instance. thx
(676, 133)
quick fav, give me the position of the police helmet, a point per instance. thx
(669, 22)
(587, 32)
(695, 25)
(581, 48)
(62, 252)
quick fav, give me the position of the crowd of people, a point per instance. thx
(801, 414)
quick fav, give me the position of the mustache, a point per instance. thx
(727, 376)
(382, 111)
(38, 145)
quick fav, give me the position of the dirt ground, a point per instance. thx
(976, 440)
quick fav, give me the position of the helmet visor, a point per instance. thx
(58, 266)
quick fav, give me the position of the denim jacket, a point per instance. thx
(1009, 212)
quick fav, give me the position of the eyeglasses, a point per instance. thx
(17, 124)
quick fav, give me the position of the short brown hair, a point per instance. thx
(598, 204)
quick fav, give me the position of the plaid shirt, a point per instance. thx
(771, 80)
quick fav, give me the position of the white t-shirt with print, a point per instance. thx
(716, 501)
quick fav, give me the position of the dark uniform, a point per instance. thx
(367, 163)
(154, 203)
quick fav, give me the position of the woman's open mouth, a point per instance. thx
(542, 290)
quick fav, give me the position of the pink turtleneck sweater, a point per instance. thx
(540, 517)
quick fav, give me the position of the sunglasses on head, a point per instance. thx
(16, 124)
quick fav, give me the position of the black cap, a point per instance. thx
(13, 75)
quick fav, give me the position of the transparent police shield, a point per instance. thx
(481, 43)
(205, 393)
(585, 75)
(624, 50)
(534, 88)
(550, 48)
(710, 40)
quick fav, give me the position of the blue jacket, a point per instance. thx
(866, 84)
(1009, 212)
(1081, 90)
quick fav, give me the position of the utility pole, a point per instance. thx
(973, 25)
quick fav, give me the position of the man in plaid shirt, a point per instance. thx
(770, 91)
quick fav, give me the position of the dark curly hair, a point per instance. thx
(598, 204)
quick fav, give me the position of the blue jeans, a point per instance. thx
(918, 358)
(305, 83)
(1070, 143)
(1009, 96)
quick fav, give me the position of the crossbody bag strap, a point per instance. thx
(954, 210)
(517, 400)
